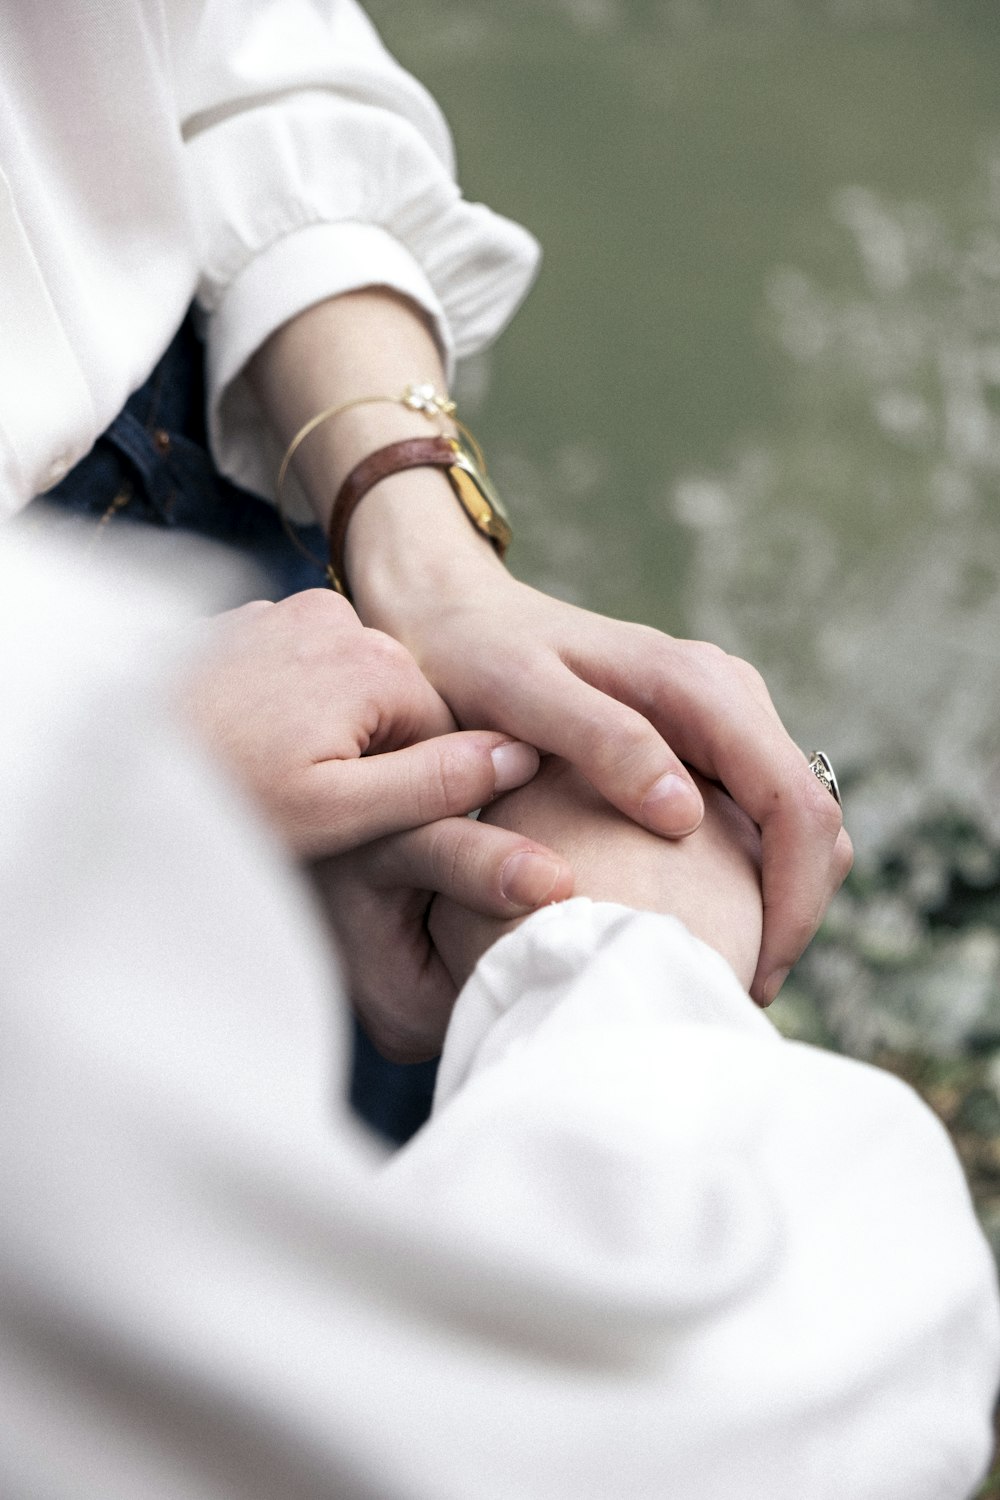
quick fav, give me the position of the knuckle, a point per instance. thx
(454, 784)
(385, 647)
(316, 620)
(388, 660)
(647, 644)
(751, 677)
(430, 791)
(843, 856)
(608, 739)
(443, 856)
(453, 867)
(822, 811)
(401, 1039)
(711, 674)
(799, 933)
(320, 606)
(797, 929)
(715, 663)
(710, 658)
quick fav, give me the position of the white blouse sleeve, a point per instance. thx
(318, 165)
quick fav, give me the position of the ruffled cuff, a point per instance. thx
(570, 958)
(317, 224)
(294, 273)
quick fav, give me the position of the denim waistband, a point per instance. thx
(153, 466)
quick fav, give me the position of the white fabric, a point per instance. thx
(262, 154)
(644, 1248)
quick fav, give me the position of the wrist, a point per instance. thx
(412, 552)
(410, 547)
(333, 444)
(360, 345)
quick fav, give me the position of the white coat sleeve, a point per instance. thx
(754, 1264)
(644, 1248)
(317, 165)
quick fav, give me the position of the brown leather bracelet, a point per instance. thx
(412, 453)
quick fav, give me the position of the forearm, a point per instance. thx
(409, 530)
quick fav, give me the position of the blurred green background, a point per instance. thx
(755, 397)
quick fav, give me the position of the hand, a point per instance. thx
(319, 717)
(377, 899)
(632, 708)
(624, 703)
(710, 881)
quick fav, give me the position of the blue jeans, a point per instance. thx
(153, 467)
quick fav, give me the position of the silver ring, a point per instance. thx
(819, 765)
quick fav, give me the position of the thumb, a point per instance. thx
(346, 803)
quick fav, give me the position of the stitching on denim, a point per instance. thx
(123, 498)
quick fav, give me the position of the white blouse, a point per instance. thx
(259, 155)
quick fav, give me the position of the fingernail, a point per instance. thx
(774, 984)
(528, 879)
(513, 765)
(670, 805)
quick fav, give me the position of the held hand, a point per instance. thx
(710, 881)
(377, 899)
(320, 719)
(628, 706)
(623, 703)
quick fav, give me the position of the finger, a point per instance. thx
(617, 748)
(804, 862)
(484, 868)
(343, 666)
(399, 987)
(411, 1027)
(724, 724)
(741, 743)
(805, 853)
(805, 856)
(410, 709)
(784, 941)
(344, 803)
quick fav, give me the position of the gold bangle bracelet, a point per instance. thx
(419, 396)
